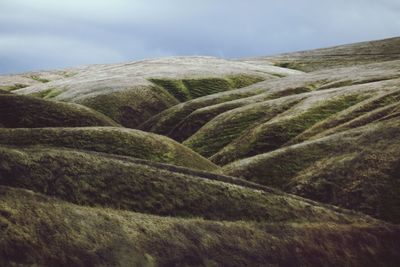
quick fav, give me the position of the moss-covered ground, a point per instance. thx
(225, 128)
(187, 89)
(122, 184)
(112, 140)
(13, 87)
(192, 123)
(369, 108)
(49, 93)
(39, 79)
(166, 121)
(356, 169)
(42, 231)
(309, 169)
(17, 111)
(269, 136)
(132, 106)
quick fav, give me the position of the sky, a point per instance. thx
(48, 34)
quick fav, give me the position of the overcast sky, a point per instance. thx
(45, 34)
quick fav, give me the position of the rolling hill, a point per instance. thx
(287, 160)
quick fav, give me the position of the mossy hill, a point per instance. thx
(287, 160)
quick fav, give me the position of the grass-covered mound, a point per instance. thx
(5, 92)
(167, 120)
(201, 116)
(118, 182)
(228, 126)
(272, 135)
(49, 93)
(9, 88)
(360, 114)
(17, 111)
(37, 230)
(113, 140)
(187, 89)
(357, 168)
(132, 106)
(132, 92)
(182, 121)
(109, 196)
(344, 55)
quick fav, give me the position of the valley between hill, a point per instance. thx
(287, 160)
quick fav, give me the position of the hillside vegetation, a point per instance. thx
(29, 112)
(131, 239)
(339, 56)
(357, 169)
(131, 93)
(111, 140)
(287, 160)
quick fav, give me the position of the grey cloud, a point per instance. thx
(38, 34)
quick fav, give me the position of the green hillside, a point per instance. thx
(287, 160)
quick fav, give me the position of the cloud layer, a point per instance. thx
(43, 34)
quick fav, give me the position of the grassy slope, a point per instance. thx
(314, 149)
(9, 88)
(188, 89)
(228, 126)
(201, 116)
(24, 111)
(357, 168)
(39, 227)
(132, 99)
(346, 55)
(258, 130)
(132, 106)
(124, 184)
(165, 121)
(358, 115)
(182, 121)
(113, 140)
(271, 135)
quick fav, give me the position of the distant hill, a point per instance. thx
(338, 56)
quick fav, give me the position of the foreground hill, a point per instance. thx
(105, 237)
(111, 140)
(123, 182)
(24, 111)
(223, 162)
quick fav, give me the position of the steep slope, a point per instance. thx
(333, 57)
(183, 120)
(297, 162)
(31, 223)
(274, 114)
(356, 168)
(112, 140)
(123, 183)
(282, 129)
(30, 112)
(131, 93)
